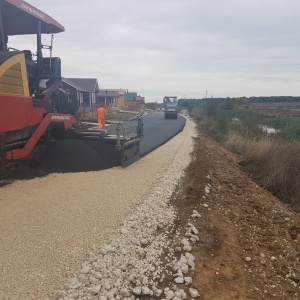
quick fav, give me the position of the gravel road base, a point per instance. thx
(50, 226)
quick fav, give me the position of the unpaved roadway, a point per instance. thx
(49, 224)
(218, 233)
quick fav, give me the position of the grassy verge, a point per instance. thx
(272, 160)
(273, 163)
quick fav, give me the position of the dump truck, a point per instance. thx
(170, 107)
(34, 109)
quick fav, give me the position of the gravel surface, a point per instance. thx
(95, 234)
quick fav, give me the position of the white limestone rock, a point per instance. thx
(137, 291)
(183, 294)
(145, 290)
(191, 263)
(188, 280)
(151, 268)
(189, 256)
(124, 293)
(183, 259)
(141, 252)
(131, 278)
(185, 242)
(187, 248)
(192, 236)
(94, 280)
(114, 291)
(107, 285)
(118, 282)
(94, 290)
(179, 280)
(193, 293)
(207, 190)
(144, 242)
(195, 214)
(178, 273)
(169, 295)
(117, 273)
(184, 268)
(193, 228)
(124, 230)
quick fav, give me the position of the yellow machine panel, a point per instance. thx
(13, 76)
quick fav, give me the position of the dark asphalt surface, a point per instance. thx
(69, 155)
(158, 130)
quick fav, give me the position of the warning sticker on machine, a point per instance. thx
(33, 11)
(61, 118)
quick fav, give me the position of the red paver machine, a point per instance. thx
(33, 107)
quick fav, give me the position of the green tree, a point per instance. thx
(228, 104)
(211, 108)
(150, 105)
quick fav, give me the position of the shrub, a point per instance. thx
(250, 149)
(274, 162)
(279, 170)
(211, 108)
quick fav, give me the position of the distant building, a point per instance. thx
(89, 96)
(108, 98)
(133, 101)
(129, 96)
(85, 91)
(112, 97)
(140, 99)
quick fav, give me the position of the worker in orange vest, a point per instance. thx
(101, 112)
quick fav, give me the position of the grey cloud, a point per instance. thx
(185, 46)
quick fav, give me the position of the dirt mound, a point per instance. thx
(248, 240)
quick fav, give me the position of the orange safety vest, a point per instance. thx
(101, 112)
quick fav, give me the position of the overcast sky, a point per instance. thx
(187, 48)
